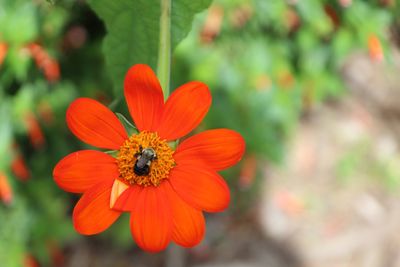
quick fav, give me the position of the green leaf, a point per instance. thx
(18, 22)
(133, 31)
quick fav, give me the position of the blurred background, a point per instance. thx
(312, 85)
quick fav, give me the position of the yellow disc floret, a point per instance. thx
(157, 169)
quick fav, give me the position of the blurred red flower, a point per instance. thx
(164, 190)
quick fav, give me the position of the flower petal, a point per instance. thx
(117, 190)
(184, 110)
(95, 124)
(151, 221)
(127, 200)
(81, 170)
(200, 187)
(219, 148)
(144, 97)
(189, 225)
(92, 213)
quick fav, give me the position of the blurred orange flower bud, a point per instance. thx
(35, 133)
(333, 16)
(248, 172)
(375, 48)
(75, 37)
(45, 62)
(56, 254)
(387, 3)
(212, 25)
(262, 82)
(30, 261)
(292, 21)
(241, 15)
(289, 203)
(6, 193)
(3, 52)
(285, 79)
(19, 168)
(46, 113)
(345, 3)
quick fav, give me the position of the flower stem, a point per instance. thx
(164, 47)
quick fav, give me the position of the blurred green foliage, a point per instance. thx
(133, 31)
(266, 62)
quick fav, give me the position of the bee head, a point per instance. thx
(149, 153)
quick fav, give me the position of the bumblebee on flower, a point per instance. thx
(165, 190)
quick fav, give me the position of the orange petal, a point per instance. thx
(117, 189)
(151, 221)
(189, 225)
(200, 187)
(95, 124)
(184, 110)
(81, 170)
(92, 213)
(220, 148)
(127, 200)
(144, 97)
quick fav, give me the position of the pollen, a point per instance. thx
(159, 167)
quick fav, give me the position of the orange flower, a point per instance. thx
(165, 190)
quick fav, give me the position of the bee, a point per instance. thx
(143, 160)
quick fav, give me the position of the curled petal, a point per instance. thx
(188, 222)
(92, 213)
(81, 170)
(184, 110)
(117, 190)
(220, 148)
(200, 187)
(127, 200)
(151, 220)
(95, 124)
(144, 97)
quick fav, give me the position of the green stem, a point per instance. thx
(164, 47)
(114, 103)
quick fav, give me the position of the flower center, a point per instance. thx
(145, 159)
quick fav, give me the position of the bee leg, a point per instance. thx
(137, 154)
